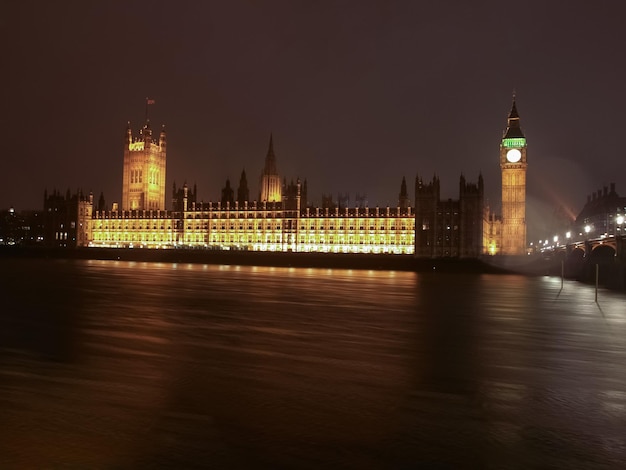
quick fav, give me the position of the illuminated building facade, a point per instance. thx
(259, 226)
(513, 166)
(143, 184)
(282, 220)
(492, 232)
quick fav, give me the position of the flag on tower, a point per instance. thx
(149, 101)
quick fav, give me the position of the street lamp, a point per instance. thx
(619, 219)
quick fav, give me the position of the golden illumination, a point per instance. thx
(135, 146)
(363, 231)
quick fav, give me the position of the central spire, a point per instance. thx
(270, 159)
(270, 181)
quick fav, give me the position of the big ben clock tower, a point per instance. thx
(513, 165)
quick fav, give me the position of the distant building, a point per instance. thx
(67, 219)
(23, 228)
(603, 215)
(450, 227)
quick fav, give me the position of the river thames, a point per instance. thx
(115, 365)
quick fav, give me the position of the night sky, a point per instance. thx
(357, 95)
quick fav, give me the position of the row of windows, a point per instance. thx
(273, 215)
(136, 176)
(133, 214)
(263, 227)
(154, 177)
(122, 237)
(127, 227)
(312, 227)
(159, 214)
(241, 215)
(269, 245)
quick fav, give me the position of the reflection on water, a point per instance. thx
(108, 364)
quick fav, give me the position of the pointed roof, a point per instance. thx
(513, 129)
(270, 159)
(403, 191)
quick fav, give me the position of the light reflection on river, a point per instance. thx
(108, 364)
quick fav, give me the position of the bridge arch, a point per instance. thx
(603, 250)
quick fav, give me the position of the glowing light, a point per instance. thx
(326, 234)
(514, 143)
(135, 146)
(514, 155)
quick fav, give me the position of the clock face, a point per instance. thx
(513, 155)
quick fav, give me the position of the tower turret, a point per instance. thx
(146, 132)
(403, 197)
(228, 195)
(243, 194)
(163, 139)
(143, 184)
(129, 135)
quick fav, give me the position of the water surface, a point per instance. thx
(107, 364)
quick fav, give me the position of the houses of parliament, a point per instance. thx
(279, 218)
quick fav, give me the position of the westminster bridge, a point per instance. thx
(578, 258)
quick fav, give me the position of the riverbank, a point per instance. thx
(277, 259)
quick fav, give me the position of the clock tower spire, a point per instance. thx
(513, 165)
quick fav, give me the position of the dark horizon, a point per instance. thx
(356, 96)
